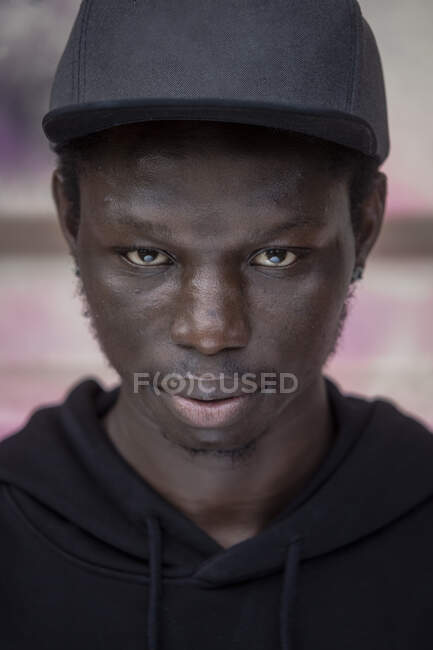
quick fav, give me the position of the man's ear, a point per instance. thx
(371, 218)
(67, 218)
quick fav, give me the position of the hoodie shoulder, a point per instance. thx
(401, 430)
(385, 421)
(395, 455)
(39, 455)
(385, 475)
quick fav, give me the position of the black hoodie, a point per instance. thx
(91, 557)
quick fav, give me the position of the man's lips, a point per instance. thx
(208, 412)
(206, 390)
(208, 396)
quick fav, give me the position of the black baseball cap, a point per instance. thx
(309, 66)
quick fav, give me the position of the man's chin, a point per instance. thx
(212, 447)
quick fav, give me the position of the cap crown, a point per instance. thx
(307, 65)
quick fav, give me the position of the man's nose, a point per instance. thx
(211, 311)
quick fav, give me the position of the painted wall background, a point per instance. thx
(45, 344)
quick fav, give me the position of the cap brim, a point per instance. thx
(69, 122)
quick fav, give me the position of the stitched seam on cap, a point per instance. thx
(80, 39)
(75, 54)
(354, 19)
(357, 26)
(73, 61)
(81, 52)
(91, 5)
(78, 49)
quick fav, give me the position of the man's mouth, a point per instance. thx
(207, 411)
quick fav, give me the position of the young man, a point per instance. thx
(219, 189)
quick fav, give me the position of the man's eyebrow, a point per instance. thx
(298, 222)
(159, 229)
(137, 223)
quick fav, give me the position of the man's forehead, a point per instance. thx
(162, 181)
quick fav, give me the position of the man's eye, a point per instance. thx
(147, 257)
(275, 257)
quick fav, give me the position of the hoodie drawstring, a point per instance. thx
(288, 593)
(155, 586)
(288, 588)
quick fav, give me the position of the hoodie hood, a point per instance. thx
(92, 503)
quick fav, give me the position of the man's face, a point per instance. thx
(208, 294)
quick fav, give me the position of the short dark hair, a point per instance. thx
(360, 169)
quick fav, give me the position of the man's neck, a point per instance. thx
(230, 501)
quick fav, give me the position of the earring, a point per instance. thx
(357, 273)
